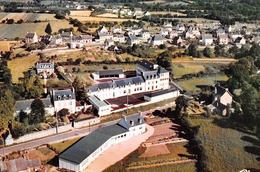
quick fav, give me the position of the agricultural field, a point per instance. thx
(234, 148)
(84, 16)
(11, 31)
(165, 12)
(27, 17)
(17, 69)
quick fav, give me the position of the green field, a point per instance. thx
(186, 68)
(61, 146)
(190, 85)
(11, 31)
(20, 65)
(227, 149)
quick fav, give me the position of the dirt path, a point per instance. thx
(161, 164)
(206, 60)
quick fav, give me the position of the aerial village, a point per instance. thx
(126, 93)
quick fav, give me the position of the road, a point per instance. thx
(52, 139)
(67, 135)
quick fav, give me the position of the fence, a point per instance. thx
(52, 131)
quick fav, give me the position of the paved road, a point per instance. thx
(67, 135)
(54, 138)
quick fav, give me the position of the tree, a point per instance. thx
(38, 111)
(207, 52)
(181, 104)
(164, 60)
(20, 21)
(63, 112)
(192, 50)
(18, 130)
(48, 29)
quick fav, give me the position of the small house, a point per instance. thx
(31, 37)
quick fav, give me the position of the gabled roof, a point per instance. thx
(132, 120)
(30, 35)
(90, 143)
(44, 66)
(110, 72)
(146, 64)
(63, 94)
(133, 37)
(157, 37)
(219, 90)
(26, 104)
(97, 101)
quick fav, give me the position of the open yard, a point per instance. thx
(191, 85)
(44, 154)
(20, 65)
(12, 31)
(234, 148)
(61, 146)
(180, 69)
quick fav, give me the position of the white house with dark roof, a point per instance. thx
(132, 39)
(222, 98)
(157, 40)
(223, 39)
(103, 108)
(25, 106)
(47, 68)
(64, 99)
(31, 37)
(82, 153)
(207, 39)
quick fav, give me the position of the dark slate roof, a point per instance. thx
(26, 104)
(63, 94)
(157, 37)
(162, 70)
(150, 75)
(30, 35)
(44, 66)
(221, 90)
(110, 72)
(146, 64)
(87, 145)
(133, 37)
(132, 120)
(159, 93)
(116, 83)
(97, 101)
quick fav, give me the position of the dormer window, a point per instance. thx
(64, 96)
(131, 122)
(70, 96)
(139, 120)
(59, 97)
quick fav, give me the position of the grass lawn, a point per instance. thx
(190, 85)
(186, 68)
(227, 149)
(64, 145)
(20, 65)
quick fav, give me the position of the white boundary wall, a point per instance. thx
(52, 131)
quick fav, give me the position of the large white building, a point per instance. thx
(85, 151)
(149, 77)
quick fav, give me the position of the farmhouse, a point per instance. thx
(157, 40)
(133, 40)
(222, 98)
(86, 150)
(207, 39)
(31, 37)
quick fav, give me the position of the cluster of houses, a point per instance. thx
(205, 34)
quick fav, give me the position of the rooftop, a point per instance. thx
(87, 145)
(97, 101)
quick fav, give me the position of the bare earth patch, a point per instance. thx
(155, 151)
